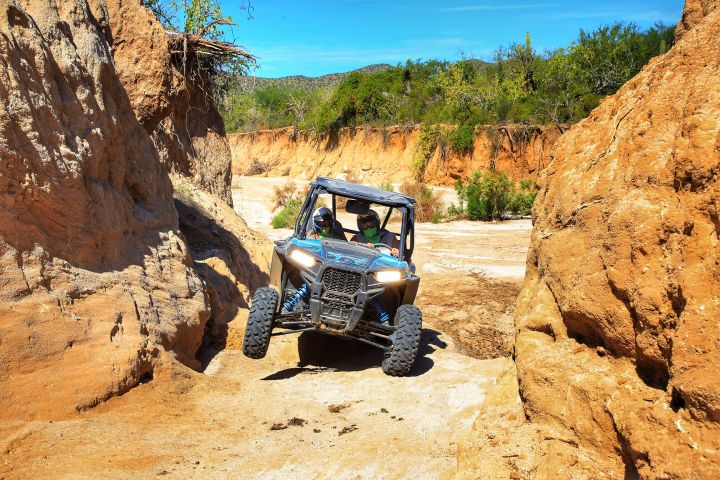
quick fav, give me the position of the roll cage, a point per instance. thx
(370, 195)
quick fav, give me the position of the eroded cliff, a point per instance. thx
(96, 280)
(617, 335)
(374, 155)
(172, 100)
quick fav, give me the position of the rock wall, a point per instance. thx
(375, 155)
(96, 283)
(694, 12)
(231, 258)
(617, 348)
(171, 104)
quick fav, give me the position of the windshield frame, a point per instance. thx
(407, 230)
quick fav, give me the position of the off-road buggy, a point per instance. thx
(343, 288)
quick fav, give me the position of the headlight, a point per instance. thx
(388, 276)
(302, 258)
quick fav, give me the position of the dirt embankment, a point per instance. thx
(98, 284)
(617, 335)
(169, 100)
(378, 155)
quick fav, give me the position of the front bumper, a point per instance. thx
(339, 296)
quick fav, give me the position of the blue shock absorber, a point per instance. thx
(302, 293)
(382, 315)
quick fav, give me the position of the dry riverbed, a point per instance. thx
(315, 407)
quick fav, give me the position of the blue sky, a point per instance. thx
(318, 37)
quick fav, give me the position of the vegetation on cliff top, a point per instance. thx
(196, 30)
(521, 85)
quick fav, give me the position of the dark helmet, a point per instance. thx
(322, 218)
(368, 220)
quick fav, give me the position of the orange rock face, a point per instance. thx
(95, 279)
(617, 346)
(695, 11)
(174, 108)
(378, 155)
(232, 259)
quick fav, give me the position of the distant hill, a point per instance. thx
(248, 82)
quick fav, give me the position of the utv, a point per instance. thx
(343, 288)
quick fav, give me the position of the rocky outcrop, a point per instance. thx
(232, 259)
(374, 155)
(96, 281)
(172, 104)
(617, 347)
(695, 11)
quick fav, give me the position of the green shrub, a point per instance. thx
(527, 184)
(289, 199)
(455, 212)
(487, 195)
(492, 195)
(431, 136)
(437, 217)
(522, 200)
(286, 217)
(462, 139)
(386, 186)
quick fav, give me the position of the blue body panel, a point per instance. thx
(325, 254)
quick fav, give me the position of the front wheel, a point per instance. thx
(260, 322)
(400, 357)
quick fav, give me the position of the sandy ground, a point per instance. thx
(315, 407)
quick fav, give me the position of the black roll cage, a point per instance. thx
(407, 229)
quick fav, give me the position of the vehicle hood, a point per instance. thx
(348, 253)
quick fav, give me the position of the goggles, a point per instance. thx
(322, 221)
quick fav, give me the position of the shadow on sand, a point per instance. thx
(320, 353)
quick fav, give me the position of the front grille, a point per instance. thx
(335, 297)
(341, 282)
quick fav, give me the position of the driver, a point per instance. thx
(371, 233)
(325, 226)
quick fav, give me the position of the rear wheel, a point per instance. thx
(400, 357)
(260, 322)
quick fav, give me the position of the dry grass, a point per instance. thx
(285, 193)
(429, 207)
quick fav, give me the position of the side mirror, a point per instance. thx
(357, 207)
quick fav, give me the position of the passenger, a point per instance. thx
(371, 233)
(325, 226)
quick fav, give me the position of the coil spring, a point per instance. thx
(382, 315)
(301, 293)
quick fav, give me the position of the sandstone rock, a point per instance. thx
(501, 410)
(694, 12)
(232, 259)
(625, 256)
(95, 280)
(172, 105)
(378, 155)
